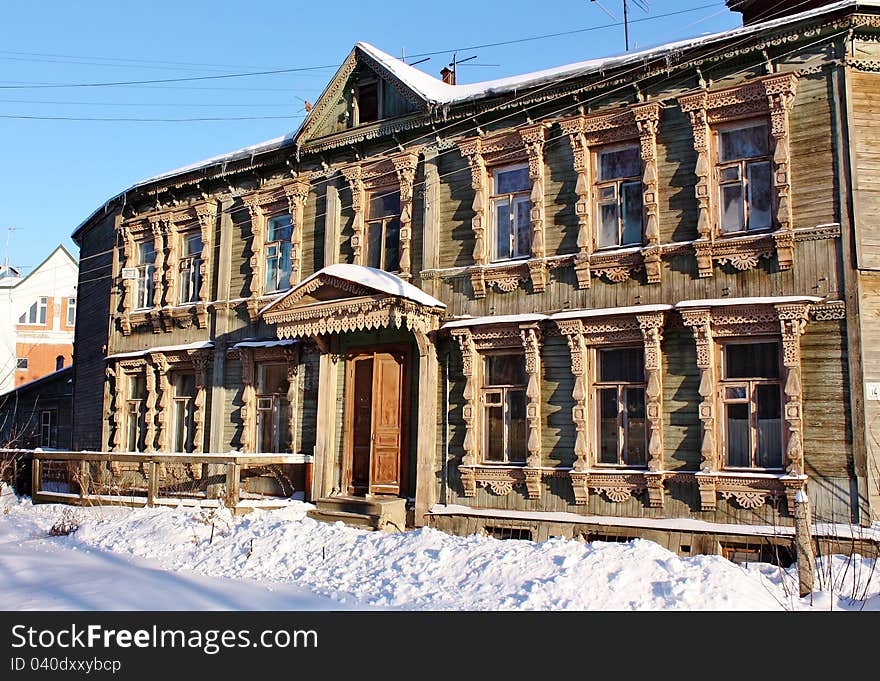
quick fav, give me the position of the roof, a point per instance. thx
(197, 345)
(9, 281)
(435, 92)
(54, 376)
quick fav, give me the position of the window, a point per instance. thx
(620, 407)
(184, 412)
(510, 213)
(368, 102)
(21, 363)
(504, 400)
(71, 311)
(36, 313)
(745, 178)
(383, 231)
(273, 409)
(752, 396)
(618, 197)
(278, 264)
(145, 287)
(59, 362)
(48, 428)
(190, 267)
(135, 414)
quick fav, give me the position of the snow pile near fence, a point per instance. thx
(310, 565)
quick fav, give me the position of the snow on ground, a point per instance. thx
(165, 558)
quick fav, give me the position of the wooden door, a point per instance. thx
(361, 405)
(388, 372)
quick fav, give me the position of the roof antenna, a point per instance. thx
(9, 231)
(641, 4)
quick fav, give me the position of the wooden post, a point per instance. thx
(803, 543)
(427, 468)
(36, 473)
(325, 438)
(152, 483)
(233, 473)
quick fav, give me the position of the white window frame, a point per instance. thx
(503, 392)
(512, 199)
(622, 424)
(270, 405)
(382, 224)
(278, 246)
(743, 181)
(145, 284)
(616, 184)
(189, 270)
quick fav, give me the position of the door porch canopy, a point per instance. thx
(342, 298)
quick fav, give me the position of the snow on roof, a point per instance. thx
(608, 311)
(378, 280)
(495, 319)
(198, 345)
(253, 343)
(725, 302)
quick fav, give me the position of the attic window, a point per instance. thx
(368, 101)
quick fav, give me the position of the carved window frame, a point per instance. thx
(596, 385)
(522, 145)
(771, 97)
(191, 264)
(588, 133)
(370, 223)
(513, 198)
(503, 390)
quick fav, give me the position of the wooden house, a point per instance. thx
(632, 296)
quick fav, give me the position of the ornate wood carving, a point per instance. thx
(574, 129)
(248, 398)
(699, 321)
(297, 195)
(472, 150)
(150, 418)
(159, 228)
(159, 363)
(531, 340)
(651, 326)
(200, 360)
(354, 176)
(647, 117)
(793, 323)
(772, 96)
(574, 333)
(533, 140)
(470, 368)
(206, 213)
(405, 166)
(113, 409)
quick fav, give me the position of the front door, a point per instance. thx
(375, 422)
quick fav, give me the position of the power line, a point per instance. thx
(148, 120)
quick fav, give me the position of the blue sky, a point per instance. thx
(54, 173)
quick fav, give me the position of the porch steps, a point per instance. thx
(376, 513)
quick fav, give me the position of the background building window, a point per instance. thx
(511, 207)
(745, 178)
(59, 362)
(191, 267)
(278, 264)
(752, 396)
(383, 231)
(368, 101)
(620, 406)
(36, 313)
(184, 412)
(504, 404)
(48, 428)
(273, 409)
(145, 287)
(71, 311)
(21, 363)
(618, 197)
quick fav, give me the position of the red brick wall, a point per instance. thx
(41, 359)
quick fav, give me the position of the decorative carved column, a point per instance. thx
(207, 216)
(297, 195)
(472, 151)
(163, 404)
(249, 397)
(200, 361)
(647, 118)
(533, 139)
(405, 166)
(354, 177)
(651, 326)
(129, 252)
(113, 407)
(700, 322)
(159, 229)
(470, 369)
(581, 152)
(781, 92)
(531, 340)
(793, 322)
(292, 358)
(695, 106)
(258, 258)
(172, 258)
(150, 417)
(572, 329)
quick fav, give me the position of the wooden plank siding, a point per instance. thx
(865, 118)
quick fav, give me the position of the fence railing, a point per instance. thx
(233, 479)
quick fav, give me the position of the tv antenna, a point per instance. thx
(9, 231)
(641, 4)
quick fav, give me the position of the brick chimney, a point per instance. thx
(447, 75)
(756, 11)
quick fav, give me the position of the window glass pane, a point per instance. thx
(622, 365)
(273, 379)
(384, 204)
(729, 174)
(374, 245)
(752, 360)
(494, 434)
(510, 181)
(505, 370)
(502, 229)
(608, 226)
(743, 143)
(759, 195)
(265, 429)
(619, 163)
(179, 425)
(769, 407)
(280, 228)
(392, 245)
(192, 245)
(131, 443)
(368, 102)
(631, 203)
(146, 253)
(185, 385)
(523, 242)
(517, 425)
(283, 430)
(284, 266)
(732, 208)
(738, 434)
(608, 412)
(737, 392)
(271, 274)
(634, 454)
(136, 387)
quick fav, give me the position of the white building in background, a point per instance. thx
(37, 316)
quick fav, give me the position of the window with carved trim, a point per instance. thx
(135, 413)
(751, 394)
(184, 409)
(190, 267)
(745, 177)
(273, 408)
(618, 196)
(511, 208)
(278, 248)
(621, 426)
(504, 408)
(145, 286)
(383, 230)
